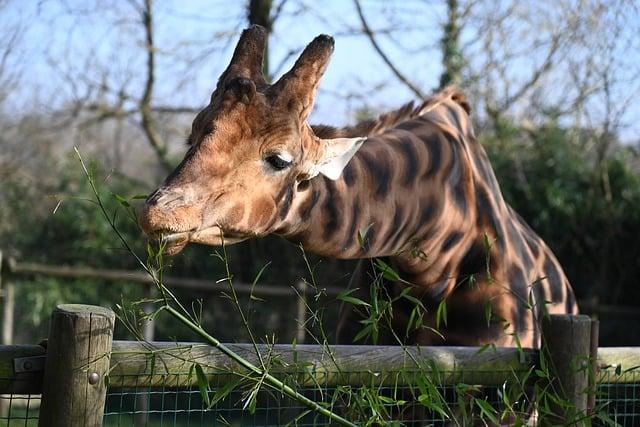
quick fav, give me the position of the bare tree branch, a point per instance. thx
(367, 31)
(111, 110)
(277, 11)
(537, 74)
(148, 122)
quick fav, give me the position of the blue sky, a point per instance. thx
(59, 43)
(69, 40)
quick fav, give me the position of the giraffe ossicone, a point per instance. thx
(421, 186)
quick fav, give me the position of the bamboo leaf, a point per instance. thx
(487, 410)
(483, 348)
(346, 297)
(441, 314)
(387, 272)
(541, 374)
(224, 392)
(121, 200)
(364, 332)
(362, 236)
(255, 282)
(412, 319)
(429, 403)
(251, 403)
(203, 384)
(488, 312)
(405, 294)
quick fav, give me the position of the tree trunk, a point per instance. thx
(259, 13)
(452, 60)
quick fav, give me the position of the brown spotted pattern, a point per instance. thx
(426, 194)
(420, 191)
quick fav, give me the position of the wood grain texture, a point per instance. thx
(566, 341)
(132, 358)
(162, 363)
(79, 345)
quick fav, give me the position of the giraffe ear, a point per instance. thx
(337, 153)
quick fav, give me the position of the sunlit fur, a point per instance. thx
(420, 191)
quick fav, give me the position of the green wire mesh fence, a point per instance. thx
(617, 399)
(365, 384)
(618, 395)
(20, 388)
(19, 409)
(128, 383)
(169, 406)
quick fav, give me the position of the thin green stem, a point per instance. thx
(155, 275)
(186, 320)
(270, 379)
(236, 302)
(316, 316)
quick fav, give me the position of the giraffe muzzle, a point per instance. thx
(211, 236)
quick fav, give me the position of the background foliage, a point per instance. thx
(553, 105)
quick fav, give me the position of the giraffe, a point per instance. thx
(414, 185)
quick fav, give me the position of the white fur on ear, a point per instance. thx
(338, 153)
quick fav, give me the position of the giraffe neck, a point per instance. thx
(405, 194)
(424, 194)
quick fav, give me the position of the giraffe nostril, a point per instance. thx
(152, 199)
(165, 199)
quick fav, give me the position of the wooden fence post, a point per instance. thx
(8, 298)
(141, 417)
(301, 315)
(594, 368)
(566, 343)
(149, 327)
(8, 306)
(78, 354)
(3, 297)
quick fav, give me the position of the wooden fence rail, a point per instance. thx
(142, 278)
(10, 267)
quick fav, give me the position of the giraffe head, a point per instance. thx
(251, 153)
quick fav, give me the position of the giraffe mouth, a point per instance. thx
(212, 236)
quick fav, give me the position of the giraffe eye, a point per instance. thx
(279, 161)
